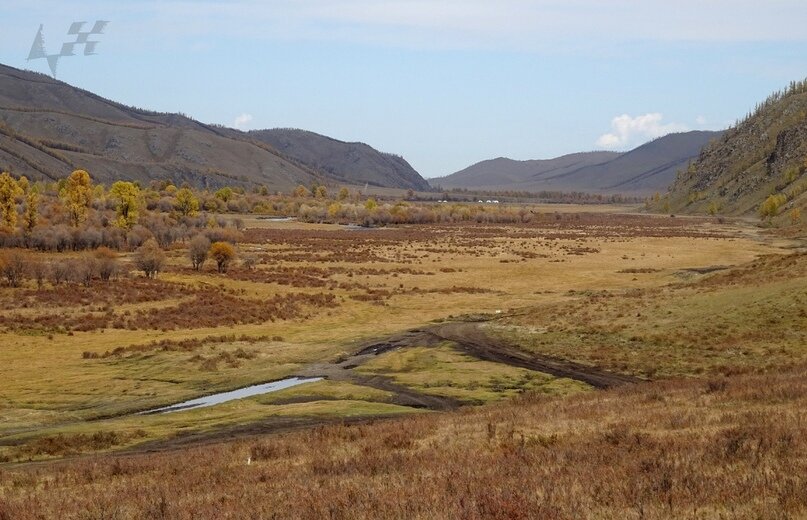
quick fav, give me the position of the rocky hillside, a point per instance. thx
(642, 171)
(348, 162)
(48, 128)
(757, 167)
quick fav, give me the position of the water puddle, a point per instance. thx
(223, 397)
(277, 219)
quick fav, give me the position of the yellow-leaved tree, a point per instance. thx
(31, 214)
(222, 253)
(77, 196)
(301, 191)
(127, 199)
(9, 191)
(187, 203)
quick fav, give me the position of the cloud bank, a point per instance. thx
(514, 24)
(628, 132)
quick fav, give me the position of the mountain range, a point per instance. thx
(647, 169)
(49, 128)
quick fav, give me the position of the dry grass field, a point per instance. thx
(711, 315)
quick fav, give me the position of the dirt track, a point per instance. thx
(471, 339)
(468, 337)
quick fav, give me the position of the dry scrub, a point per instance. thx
(721, 448)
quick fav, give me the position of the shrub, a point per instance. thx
(84, 269)
(199, 247)
(59, 272)
(223, 253)
(38, 270)
(770, 208)
(249, 261)
(107, 263)
(12, 266)
(149, 258)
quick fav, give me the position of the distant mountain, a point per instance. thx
(348, 162)
(763, 155)
(642, 171)
(504, 173)
(48, 128)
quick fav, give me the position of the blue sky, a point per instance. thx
(445, 83)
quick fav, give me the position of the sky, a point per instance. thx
(444, 83)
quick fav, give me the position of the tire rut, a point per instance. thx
(470, 339)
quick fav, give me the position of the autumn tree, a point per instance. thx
(321, 192)
(186, 202)
(30, 216)
(225, 194)
(334, 210)
(198, 250)
(127, 199)
(77, 196)
(24, 184)
(223, 253)
(9, 191)
(149, 258)
(301, 191)
(344, 193)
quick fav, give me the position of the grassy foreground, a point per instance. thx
(722, 448)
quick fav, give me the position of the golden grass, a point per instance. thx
(48, 383)
(441, 370)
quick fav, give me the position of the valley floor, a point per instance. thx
(641, 367)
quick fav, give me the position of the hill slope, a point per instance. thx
(502, 172)
(350, 162)
(765, 154)
(644, 170)
(48, 128)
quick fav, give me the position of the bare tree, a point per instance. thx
(149, 258)
(249, 262)
(107, 261)
(38, 270)
(198, 250)
(84, 269)
(12, 266)
(59, 272)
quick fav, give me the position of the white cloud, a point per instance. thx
(627, 131)
(701, 120)
(242, 122)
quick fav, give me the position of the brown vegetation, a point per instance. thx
(711, 449)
